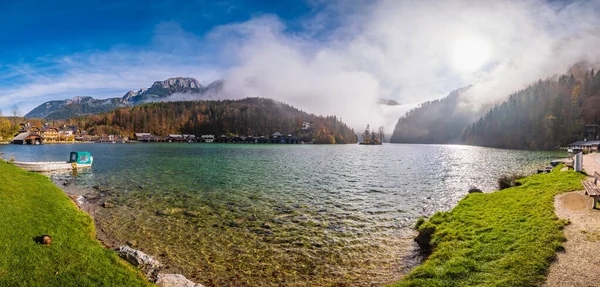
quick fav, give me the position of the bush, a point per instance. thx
(508, 181)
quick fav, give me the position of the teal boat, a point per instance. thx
(77, 160)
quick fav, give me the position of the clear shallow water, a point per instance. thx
(269, 215)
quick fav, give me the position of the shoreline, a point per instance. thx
(515, 236)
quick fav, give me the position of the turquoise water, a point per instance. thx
(271, 215)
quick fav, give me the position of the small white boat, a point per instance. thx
(76, 161)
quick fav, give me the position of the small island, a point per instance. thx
(372, 137)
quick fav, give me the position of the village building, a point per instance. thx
(207, 138)
(174, 138)
(189, 138)
(305, 126)
(250, 139)
(29, 138)
(50, 133)
(143, 137)
(222, 139)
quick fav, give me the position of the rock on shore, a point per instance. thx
(149, 266)
(175, 280)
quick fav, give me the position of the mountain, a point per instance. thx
(436, 122)
(250, 116)
(546, 115)
(387, 102)
(173, 89)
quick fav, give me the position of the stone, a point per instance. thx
(474, 189)
(266, 225)
(191, 213)
(175, 280)
(108, 204)
(146, 263)
(47, 240)
(132, 243)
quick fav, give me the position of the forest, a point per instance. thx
(434, 122)
(250, 116)
(546, 115)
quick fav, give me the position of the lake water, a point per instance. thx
(273, 215)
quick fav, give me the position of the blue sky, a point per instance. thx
(42, 40)
(323, 56)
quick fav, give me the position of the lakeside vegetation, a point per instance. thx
(245, 117)
(505, 238)
(545, 115)
(31, 206)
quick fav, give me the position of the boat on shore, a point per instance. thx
(77, 160)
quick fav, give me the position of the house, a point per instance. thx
(189, 138)
(276, 138)
(250, 139)
(588, 146)
(262, 140)
(222, 139)
(290, 139)
(143, 137)
(305, 126)
(207, 138)
(174, 138)
(237, 139)
(29, 128)
(30, 138)
(50, 133)
(68, 132)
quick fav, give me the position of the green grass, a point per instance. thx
(31, 206)
(505, 238)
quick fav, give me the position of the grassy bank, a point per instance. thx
(31, 206)
(505, 238)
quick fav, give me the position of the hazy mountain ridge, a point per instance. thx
(171, 89)
(436, 122)
(546, 115)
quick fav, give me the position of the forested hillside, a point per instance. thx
(439, 121)
(251, 116)
(545, 115)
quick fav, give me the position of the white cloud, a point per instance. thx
(350, 54)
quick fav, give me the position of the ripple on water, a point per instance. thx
(265, 215)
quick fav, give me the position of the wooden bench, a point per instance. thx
(592, 189)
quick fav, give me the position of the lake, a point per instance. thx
(272, 215)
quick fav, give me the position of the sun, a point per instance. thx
(469, 54)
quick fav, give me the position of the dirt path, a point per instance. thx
(579, 264)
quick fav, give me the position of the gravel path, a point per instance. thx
(579, 264)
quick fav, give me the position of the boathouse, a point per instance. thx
(222, 139)
(250, 139)
(276, 138)
(262, 140)
(290, 139)
(237, 139)
(207, 138)
(28, 138)
(142, 137)
(174, 138)
(590, 146)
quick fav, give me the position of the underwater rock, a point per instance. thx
(171, 211)
(108, 204)
(132, 243)
(149, 266)
(175, 280)
(191, 213)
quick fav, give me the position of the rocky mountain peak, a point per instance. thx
(178, 83)
(78, 100)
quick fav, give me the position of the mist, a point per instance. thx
(405, 51)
